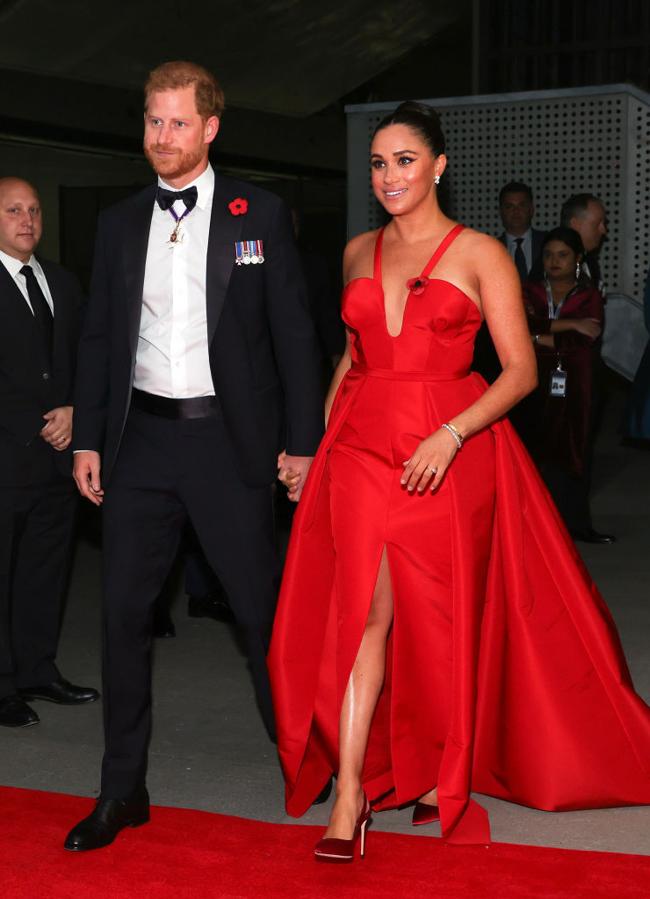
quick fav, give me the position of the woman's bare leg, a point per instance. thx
(430, 798)
(361, 695)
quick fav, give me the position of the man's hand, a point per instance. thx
(292, 472)
(58, 430)
(87, 465)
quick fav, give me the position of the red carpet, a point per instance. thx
(195, 855)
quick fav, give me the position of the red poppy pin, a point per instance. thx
(416, 285)
(238, 206)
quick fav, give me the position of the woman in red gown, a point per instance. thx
(436, 631)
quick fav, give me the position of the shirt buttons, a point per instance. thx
(46, 376)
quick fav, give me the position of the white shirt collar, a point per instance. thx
(14, 265)
(204, 185)
(526, 236)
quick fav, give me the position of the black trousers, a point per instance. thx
(168, 471)
(570, 494)
(37, 525)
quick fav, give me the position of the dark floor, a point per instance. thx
(209, 749)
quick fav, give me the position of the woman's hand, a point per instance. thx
(429, 462)
(590, 327)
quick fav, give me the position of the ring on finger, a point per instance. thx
(434, 471)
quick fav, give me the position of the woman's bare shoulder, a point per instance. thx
(478, 241)
(358, 253)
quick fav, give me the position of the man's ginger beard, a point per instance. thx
(171, 167)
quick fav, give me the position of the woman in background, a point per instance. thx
(565, 315)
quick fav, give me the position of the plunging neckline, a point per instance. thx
(424, 276)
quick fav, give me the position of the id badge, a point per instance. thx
(557, 385)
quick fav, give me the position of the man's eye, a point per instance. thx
(181, 124)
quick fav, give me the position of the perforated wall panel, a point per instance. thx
(561, 142)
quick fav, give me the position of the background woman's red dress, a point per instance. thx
(505, 674)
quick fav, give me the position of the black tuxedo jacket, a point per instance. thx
(536, 272)
(29, 387)
(262, 345)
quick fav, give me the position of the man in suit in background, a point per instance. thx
(586, 214)
(198, 365)
(40, 309)
(524, 243)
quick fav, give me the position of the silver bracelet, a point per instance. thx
(455, 433)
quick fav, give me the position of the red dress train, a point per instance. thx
(504, 674)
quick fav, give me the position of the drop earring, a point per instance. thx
(436, 180)
(578, 270)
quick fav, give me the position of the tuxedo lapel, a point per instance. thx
(135, 241)
(225, 229)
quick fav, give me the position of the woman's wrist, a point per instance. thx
(455, 433)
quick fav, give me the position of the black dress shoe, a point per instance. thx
(163, 626)
(14, 712)
(60, 691)
(324, 794)
(103, 824)
(212, 606)
(592, 536)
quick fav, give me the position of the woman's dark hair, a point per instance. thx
(422, 119)
(568, 236)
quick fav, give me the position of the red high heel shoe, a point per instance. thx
(331, 849)
(424, 814)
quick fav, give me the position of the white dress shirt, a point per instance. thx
(172, 355)
(14, 266)
(526, 246)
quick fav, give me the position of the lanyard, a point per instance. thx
(553, 310)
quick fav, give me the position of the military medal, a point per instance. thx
(249, 252)
(177, 235)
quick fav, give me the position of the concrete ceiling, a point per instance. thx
(289, 57)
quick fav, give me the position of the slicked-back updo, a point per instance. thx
(422, 119)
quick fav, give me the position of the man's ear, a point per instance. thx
(211, 128)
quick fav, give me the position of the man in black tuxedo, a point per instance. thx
(524, 243)
(198, 364)
(40, 309)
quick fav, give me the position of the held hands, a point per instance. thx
(87, 465)
(590, 327)
(58, 430)
(429, 462)
(292, 472)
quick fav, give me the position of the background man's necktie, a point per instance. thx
(520, 259)
(40, 307)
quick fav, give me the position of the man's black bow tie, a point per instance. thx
(166, 198)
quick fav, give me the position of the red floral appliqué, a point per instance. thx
(416, 285)
(238, 206)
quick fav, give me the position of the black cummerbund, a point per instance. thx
(170, 407)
